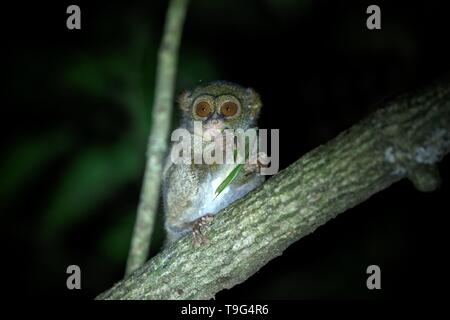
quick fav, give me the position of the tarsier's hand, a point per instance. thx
(256, 162)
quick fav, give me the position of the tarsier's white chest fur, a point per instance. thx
(208, 202)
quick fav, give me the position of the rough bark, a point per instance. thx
(404, 139)
(157, 142)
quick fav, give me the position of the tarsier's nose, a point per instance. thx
(214, 122)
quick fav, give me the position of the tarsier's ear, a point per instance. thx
(184, 100)
(254, 101)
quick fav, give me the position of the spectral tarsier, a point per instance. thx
(189, 190)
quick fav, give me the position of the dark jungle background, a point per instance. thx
(76, 112)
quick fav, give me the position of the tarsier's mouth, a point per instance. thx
(213, 129)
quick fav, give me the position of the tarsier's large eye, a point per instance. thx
(203, 109)
(229, 109)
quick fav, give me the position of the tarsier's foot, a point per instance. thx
(198, 238)
(256, 162)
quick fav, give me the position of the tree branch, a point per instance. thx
(405, 139)
(157, 142)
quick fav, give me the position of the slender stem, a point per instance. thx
(404, 140)
(157, 142)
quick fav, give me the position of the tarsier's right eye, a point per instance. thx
(203, 109)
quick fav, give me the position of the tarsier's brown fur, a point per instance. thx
(188, 189)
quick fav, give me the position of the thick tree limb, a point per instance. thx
(405, 139)
(157, 142)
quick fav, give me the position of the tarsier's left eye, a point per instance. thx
(203, 109)
(229, 109)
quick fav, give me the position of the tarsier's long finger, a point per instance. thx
(198, 237)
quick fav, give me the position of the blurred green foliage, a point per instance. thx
(101, 96)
